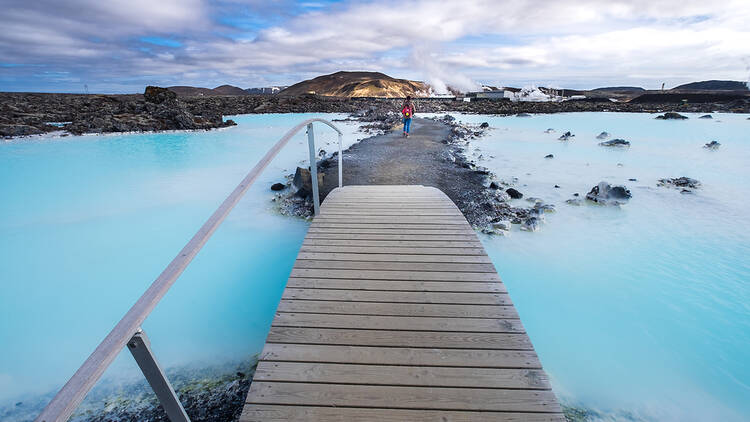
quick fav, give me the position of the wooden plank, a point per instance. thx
(378, 203)
(385, 201)
(397, 297)
(415, 231)
(473, 259)
(272, 413)
(334, 210)
(398, 323)
(385, 187)
(385, 338)
(421, 267)
(390, 206)
(344, 211)
(449, 220)
(415, 225)
(402, 309)
(463, 243)
(347, 192)
(390, 195)
(396, 285)
(394, 275)
(395, 216)
(410, 237)
(421, 376)
(403, 397)
(389, 226)
(401, 356)
(475, 251)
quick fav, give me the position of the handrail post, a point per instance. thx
(313, 168)
(341, 163)
(140, 347)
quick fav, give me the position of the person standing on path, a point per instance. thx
(407, 110)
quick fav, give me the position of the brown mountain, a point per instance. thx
(229, 90)
(192, 91)
(358, 84)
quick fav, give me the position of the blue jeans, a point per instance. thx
(407, 124)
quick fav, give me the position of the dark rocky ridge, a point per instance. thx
(715, 85)
(157, 110)
(29, 113)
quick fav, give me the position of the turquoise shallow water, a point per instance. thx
(87, 223)
(639, 312)
(644, 308)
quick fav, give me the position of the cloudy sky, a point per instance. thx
(118, 46)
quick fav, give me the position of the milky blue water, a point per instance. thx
(639, 312)
(643, 308)
(88, 222)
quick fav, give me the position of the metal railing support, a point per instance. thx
(140, 347)
(313, 168)
(341, 162)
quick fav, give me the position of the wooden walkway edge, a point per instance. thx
(394, 312)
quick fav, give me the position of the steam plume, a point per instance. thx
(439, 76)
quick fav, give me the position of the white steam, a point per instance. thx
(531, 93)
(438, 76)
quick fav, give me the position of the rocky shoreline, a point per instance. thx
(438, 159)
(158, 109)
(208, 393)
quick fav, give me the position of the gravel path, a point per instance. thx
(420, 159)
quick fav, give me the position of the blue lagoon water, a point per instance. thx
(640, 312)
(88, 222)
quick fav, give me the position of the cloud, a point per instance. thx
(252, 42)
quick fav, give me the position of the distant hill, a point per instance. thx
(192, 91)
(189, 91)
(358, 84)
(229, 90)
(620, 89)
(715, 86)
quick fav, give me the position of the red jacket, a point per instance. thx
(411, 110)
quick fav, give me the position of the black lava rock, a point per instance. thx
(158, 95)
(671, 116)
(565, 136)
(514, 193)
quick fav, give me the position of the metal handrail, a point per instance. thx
(128, 329)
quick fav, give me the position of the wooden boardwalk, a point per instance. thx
(394, 312)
